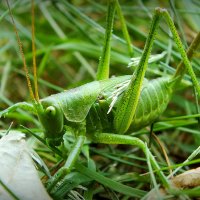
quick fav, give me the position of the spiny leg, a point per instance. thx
(179, 73)
(104, 62)
(124, 29)
(179, 44)
(72, 158)
(126, 108)
(108, 138)
(190, 53)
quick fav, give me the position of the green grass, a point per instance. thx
(69, 40)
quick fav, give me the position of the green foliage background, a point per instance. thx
(69, 39)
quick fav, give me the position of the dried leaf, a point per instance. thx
(188, 179)
(17, 170)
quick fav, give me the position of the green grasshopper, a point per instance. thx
(83, 110)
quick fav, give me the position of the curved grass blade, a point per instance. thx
(118, 187)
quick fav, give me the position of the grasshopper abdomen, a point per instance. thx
(155, 96)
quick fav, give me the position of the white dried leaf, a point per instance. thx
(188, 179)
(17, 170)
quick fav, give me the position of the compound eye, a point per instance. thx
(51, 110)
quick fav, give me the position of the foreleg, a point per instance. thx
(72, 158)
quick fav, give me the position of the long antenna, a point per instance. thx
(22, 54)
(34, 50)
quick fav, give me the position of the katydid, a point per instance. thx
(139, 103)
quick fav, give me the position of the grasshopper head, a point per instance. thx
(51, 117)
